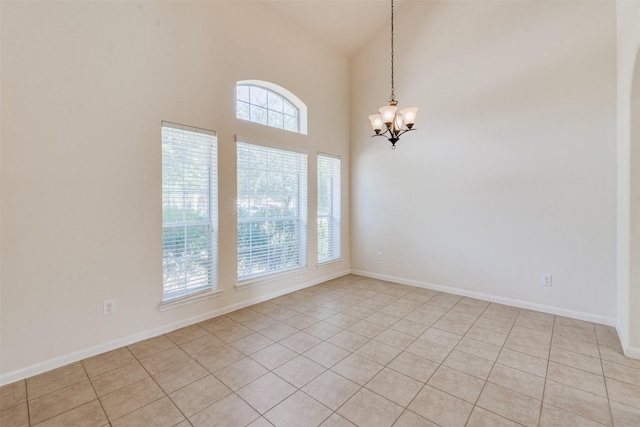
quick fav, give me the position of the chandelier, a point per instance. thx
(394, 122)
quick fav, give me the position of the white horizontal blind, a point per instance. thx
(328, 208)
(272, 210)
(189, 210)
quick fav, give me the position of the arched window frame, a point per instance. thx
(287, 96)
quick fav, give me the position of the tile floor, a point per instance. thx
(351, 351)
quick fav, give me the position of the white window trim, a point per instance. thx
(288, 95)
(189, 299)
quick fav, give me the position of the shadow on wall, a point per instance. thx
(634, 285)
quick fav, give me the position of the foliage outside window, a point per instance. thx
(189, 210)
(328, 208)
(272, 210)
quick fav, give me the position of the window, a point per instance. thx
(272, 210)
(270, 105)
(328, 208)
(189, 210)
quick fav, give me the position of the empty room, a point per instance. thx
(320, 213)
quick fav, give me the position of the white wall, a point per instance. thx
(628, 78)
(85, 86)
(512, 171)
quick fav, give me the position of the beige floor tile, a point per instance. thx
(266, 392)
(202, 344)
(298, 410)
(457, 383)
(161, 412)
(579, 402)
(359, 312)
(451, 326)
(258, 321)
(179, 376)
(240, 373)
(278, 331)
(199, 394)
(320, 313)
(273, 356)
(119, 378)
(348, 340)
(576, 360)
(445, 338)
(531, 335)
(523, 362)
(382, 319)
(366, 408)
(458, 315)
(396, 310)
(331, 389)
(622, 392)
(424, 318)
(300, 342)
(441, 408)
(251, 343)
(411, 419)
(366, 329)
(13, 394)
(414, 366)
(577, 378)
(395, 339)
(617, 356)
(233, 333)
(469, 364)
(517, 380)
(483, 418)
(621, 372)
(54, 380)
(543, 325)
(493, 325)
(323, 330)
(60, 401)
(577, 346)
(576, 333)
(217, 324)
(15, 416)
(378, 352)
(556, 417)
(486, 336)
(444, 300)
(624, 416)
(108, 361)
(525, 346)
(164, 360)
(479, 348)
(299, 371)
(607, 336)
(510, 404)
(125, 400)
(408, 327)
(357, 368)
(326, 354)
(395, 386)
(219, 358)
(336, 420)
(429, 350)
(186, 334)
(228, 412)
(302, 321)
(260, 422)
(151, 346)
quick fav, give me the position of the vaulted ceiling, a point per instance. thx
(344, 25)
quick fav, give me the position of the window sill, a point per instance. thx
(257, 281)
(329, 263)
(189, 299)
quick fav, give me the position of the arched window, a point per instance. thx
(270, 105)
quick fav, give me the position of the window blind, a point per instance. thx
(189, 210)
(328, 208)
(272, 210)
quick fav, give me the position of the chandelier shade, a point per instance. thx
(392, 123)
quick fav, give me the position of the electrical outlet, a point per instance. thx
(379, 255)
(545, 279)
(109, 306)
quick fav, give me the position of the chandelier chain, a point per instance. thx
(393, 92)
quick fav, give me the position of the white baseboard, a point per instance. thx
(633, 352)
(66, 359)
(589, 317)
